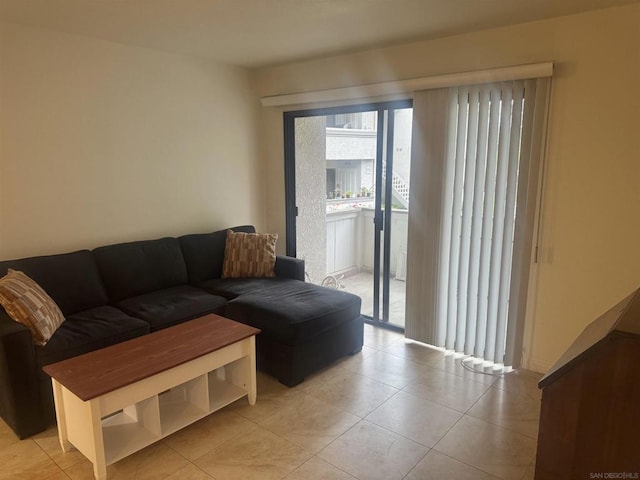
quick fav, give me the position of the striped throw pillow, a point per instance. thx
(249, 255)
(27, 303)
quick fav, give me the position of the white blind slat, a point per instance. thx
(447, 220)
(476, 225)
(456, 220)
(487, 220)
(467, 213)
(498, 222)
(510, 204)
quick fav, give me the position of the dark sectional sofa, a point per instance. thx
(119, 292)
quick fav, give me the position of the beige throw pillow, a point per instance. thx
(27, 303)
(249, 255)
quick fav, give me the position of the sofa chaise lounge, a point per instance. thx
(118, 292)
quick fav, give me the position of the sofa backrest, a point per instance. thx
(135, 268)
(204, 253)
(71, 279)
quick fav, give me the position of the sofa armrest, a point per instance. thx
(19, 389)
(289, 267)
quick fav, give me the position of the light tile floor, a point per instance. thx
(396, 410)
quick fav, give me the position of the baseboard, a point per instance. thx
(538, 366)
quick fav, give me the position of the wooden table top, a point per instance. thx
(102, 371)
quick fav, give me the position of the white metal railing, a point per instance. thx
(400, 187)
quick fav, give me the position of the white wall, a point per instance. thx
(590, 225)
(102, 142)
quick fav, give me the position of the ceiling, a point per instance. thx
(254, 33)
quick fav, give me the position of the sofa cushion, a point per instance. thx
(296, 312)
(136, 268)
(249, 255)
(89, 330)
(171, 306)
(27, 303)
(289, 267)
(231, 288)
(204, 253)
(71, 279)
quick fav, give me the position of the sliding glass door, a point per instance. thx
(344, 168)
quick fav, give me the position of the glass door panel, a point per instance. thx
(397, 182)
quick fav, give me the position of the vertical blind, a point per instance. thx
(476, 157)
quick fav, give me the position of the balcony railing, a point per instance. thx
(350, 238)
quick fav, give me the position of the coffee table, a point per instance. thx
(117, 400)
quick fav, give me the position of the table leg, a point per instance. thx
(99, 472)
(99, 463)
(60, 416)
(253, 390)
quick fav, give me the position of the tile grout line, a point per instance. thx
(51, 458)
(462, 461)
(490, 421)
(321, 460)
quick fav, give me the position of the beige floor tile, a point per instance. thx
(312, 424)
(524, 382)
(317, 469)
(378, 338)
(355, 359)
(203, 436)
(490, 448)
(272, 398)
(371, 452)
(452, 363)
(258, 454)
(7, 437)
(415, 351)
(436, 466)
(352, 392)
(49, 442)
(320, 378)
(59, 475)
(390, 369)
(446, 389)
(25, 460)
(511, 410)
(156, 462)
(530, 473)
(414, 417)
(190, 472)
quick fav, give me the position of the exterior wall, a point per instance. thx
(311, 195)
(402, 143)
(348, 144)
(102, 142)
(354, 150)
(589, 223)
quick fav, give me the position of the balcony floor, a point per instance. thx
(361, 284)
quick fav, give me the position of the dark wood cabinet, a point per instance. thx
(590, 414)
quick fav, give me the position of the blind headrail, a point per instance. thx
(408, 86)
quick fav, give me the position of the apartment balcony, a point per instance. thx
(350, 250)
